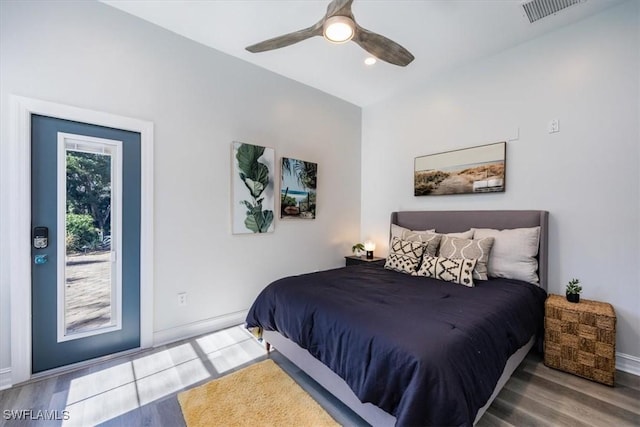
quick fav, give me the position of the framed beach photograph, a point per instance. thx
(472, 170)
(298, 189)
(252, 188)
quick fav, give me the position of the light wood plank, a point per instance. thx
(620, 395)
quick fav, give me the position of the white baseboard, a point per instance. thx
(5, 378)
(189, 330)
(628, 363)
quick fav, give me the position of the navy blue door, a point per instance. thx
(86, 281)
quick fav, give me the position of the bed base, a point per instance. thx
(337, 387)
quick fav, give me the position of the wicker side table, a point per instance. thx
(580, 338)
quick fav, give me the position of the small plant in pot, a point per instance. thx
(573, 290)
(357, 249)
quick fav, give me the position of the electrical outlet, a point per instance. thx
(182, 298)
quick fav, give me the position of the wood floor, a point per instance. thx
(140, 390)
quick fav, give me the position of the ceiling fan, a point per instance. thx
(339, 26)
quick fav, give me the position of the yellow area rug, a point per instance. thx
(258, 395)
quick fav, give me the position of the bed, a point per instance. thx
(405, 350)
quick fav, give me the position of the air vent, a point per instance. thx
(538, 9)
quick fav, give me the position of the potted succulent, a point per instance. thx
(357, 249)
(573, 290)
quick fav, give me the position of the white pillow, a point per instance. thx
(514, 252)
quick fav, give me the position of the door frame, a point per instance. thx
(18, 188)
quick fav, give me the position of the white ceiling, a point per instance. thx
(441, 34)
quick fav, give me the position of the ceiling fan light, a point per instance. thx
(338, 29)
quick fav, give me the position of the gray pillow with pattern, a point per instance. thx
(404, 256)
(478, 249)
(457, 270)
(429, 238)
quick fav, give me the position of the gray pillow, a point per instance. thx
(462, 235)
(479, 249)
(514, 252)
(429, 238)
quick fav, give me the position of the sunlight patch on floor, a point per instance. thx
(237, 355)
(192, 372)
(99, 382)
(219, 340)
(111, 392)
(158, 385)
(102, 407)
(166, 359)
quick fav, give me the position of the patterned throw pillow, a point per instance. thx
(478, 249)
(404, 256)
(429, 238)
(457, 270)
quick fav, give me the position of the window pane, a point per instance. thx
(88, 269)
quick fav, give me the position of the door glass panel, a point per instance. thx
(89, 302)
(88, 235)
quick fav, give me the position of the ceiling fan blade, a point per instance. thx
(382, 47)
(287, 39)
(339, 7)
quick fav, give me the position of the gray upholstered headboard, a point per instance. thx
(455, 221)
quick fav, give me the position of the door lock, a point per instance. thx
(40, 237)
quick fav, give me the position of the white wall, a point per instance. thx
(587, 175)
(90, 55)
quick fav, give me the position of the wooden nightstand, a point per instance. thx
(580, 338)
(355, 260)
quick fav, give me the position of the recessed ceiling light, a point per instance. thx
(370, 60)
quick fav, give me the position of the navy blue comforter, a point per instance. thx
(428, 352)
